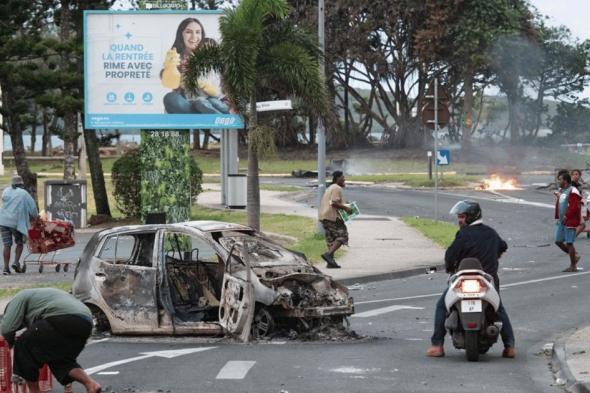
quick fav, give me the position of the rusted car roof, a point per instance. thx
(203, 226)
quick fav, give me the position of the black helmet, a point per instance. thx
(470, 208)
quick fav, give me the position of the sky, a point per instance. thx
(571, 13)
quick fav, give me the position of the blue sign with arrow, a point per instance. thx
(443, 157)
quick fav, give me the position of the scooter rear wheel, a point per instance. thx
(472, 346)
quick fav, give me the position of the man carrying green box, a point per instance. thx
(334, 226)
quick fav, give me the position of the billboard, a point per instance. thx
(134, 62)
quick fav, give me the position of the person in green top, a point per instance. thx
(58, 326)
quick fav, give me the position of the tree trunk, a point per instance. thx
(467, 110)
(253, 205)
(20, 159)
(46, 135)
(69, 147)
(69, 118)
(312, 129)
(196, 140)
(539, 114)
(34, 129)
(14, 129)
(514, 114)
(96, 174)
(206, 139)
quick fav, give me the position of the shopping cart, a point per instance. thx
(46, 237)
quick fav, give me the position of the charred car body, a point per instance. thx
(202, 277)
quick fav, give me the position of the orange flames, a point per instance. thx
(496, 182)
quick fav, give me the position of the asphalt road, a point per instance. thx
(542, 302)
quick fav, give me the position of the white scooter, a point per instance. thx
(472, 303)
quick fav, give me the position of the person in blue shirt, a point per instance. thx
(17, 211)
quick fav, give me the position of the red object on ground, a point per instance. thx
(6, 384)
(47, 236)
(45, 379)
(5, 367)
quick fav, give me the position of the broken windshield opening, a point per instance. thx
(261, 251)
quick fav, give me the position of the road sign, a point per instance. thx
(429, 107)
(428, 115)
(279, 105)
(443, 157)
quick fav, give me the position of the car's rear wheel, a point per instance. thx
(263, 324)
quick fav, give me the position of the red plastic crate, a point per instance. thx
(5, 367)
(6, 383)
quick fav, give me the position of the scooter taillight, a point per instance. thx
(471, 285)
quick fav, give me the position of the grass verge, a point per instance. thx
(303, 229)
(279, 188)
(417, 180)
(440, 232)
(10, 292)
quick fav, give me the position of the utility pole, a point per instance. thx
(321, 137)
(436, 148)
(1, 138)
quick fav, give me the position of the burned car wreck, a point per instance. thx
(203, 277)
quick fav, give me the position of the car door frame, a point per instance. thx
(237, 303)
(133, 315)
(164, 295)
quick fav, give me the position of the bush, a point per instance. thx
(126, 178)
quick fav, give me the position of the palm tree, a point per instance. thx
(262, 56)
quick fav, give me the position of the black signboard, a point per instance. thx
(66, 201)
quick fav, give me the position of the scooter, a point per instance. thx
(472, 303)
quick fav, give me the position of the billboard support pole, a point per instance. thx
(223, 159)
(321, 137)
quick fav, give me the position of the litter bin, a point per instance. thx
(66, 201)
(236, 191)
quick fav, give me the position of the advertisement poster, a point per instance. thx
(134, 63)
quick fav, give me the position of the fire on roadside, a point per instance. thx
(497, 182)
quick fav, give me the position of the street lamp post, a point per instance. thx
(321, 135)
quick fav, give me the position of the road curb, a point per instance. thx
(390, 275)
(561, 369)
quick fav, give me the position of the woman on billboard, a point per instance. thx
(207, 98)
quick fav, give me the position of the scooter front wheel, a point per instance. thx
(472, 345)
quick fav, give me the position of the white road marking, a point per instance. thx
(355, 370)
(560, 277)
(91, 342)
(508, 199)
(398, 298)
(164, 354)
(108, 373)
(514, 284)
(235, 369)
(384, 310)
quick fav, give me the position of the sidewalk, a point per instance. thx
(571, 361)
(380, 247)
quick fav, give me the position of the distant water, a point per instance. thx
(56, 142)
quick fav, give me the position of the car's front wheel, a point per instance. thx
(263, 324)
(99, 320)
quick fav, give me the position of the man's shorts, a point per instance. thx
(335, 231)
(564, 234)
(56, 341)
(7, 235)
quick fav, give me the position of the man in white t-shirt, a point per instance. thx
(335, 228)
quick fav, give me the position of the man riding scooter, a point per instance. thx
(473, 240)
